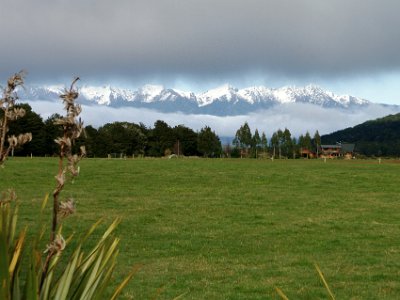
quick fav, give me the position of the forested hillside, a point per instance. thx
(380, 137)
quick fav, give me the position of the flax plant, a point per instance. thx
(53, 276)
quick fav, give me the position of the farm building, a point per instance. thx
(330, 151)
(343, 150)
(347, 150)
(306, 153)
(339, 150)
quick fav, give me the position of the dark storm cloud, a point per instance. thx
(198, 39)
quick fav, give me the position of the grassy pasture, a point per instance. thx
(235, 229)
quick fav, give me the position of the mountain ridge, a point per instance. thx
(224, 100)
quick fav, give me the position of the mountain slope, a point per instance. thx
(380, 137)
(221, 101)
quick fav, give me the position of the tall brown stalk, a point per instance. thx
(67, 165)
(11, 113)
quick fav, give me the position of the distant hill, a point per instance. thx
(380, 137)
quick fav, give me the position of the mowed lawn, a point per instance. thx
(235, 228)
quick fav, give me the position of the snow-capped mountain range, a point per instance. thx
(222, 101)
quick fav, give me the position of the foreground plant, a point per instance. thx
(72, 129)
(24, 272)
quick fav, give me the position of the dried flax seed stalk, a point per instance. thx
(72, 130)
(11, 113)
(67, 168)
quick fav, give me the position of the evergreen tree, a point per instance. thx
(51, 132)
(274, 143)
(137, 140)
(208, 143)
(295, 149)
(301, 142)
(264, 142)
(104, 142)
(91, 143)
(304, 142)
(287, 143)
(256, 143)
(119, 142)
(186, 140)
(281, 139)
(317, 141)
(243, 137)
(118, 138)
(307, 141)
(161, 139)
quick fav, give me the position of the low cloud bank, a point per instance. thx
(298, 118)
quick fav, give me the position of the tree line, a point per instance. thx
(281, 145)
(118, 139)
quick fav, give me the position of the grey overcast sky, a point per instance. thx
(347, 46)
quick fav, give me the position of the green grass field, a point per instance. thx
(235, 229)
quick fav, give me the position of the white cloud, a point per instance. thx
(298, 118)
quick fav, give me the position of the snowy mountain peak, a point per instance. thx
(188, 95)
(100, 94)
(55, 88)
(224, 92)
(312, 88)
(255, 94)
(151, 89)
(150, 92)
